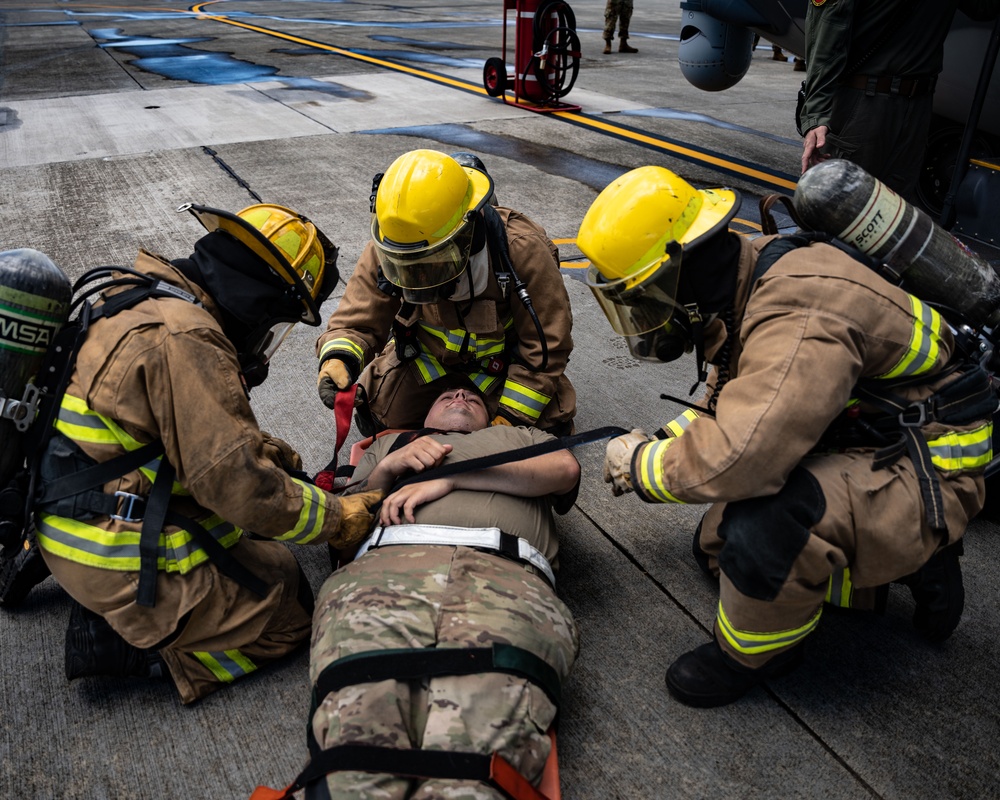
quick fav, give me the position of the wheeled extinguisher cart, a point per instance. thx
(546, 56)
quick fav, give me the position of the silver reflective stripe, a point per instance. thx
(488, 538)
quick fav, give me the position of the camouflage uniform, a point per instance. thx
(619, 11)
(416, 596)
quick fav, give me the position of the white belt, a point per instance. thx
(487, 538)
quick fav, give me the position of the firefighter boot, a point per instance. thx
(21, 572)
(93, 647)
(706, 677)
(938, 593)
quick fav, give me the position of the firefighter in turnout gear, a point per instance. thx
(842, 440)
(450, 284)
(156, 466)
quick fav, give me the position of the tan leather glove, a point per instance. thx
(281, 453)
(355, 518)
(334, 376)
(618, 460)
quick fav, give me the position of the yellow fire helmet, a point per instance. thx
(425, 209)
(288, 242)
(635, 233)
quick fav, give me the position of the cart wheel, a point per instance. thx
(495, 77)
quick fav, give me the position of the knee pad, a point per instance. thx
(764, 536)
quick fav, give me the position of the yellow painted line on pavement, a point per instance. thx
(680, 150)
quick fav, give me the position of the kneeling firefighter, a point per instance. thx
(450, 284)
(153, 466)
(843, 440)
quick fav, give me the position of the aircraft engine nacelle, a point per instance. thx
(713, 55)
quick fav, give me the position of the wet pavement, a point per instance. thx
(114, 114)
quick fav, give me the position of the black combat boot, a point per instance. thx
(706, 677)
(21, 569)
(93, 647)
(939, 594)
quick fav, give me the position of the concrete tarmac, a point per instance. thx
(112, 115)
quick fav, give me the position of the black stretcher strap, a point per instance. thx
(427, 662)
(518, 454)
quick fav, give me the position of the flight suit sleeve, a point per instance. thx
(360, 327)
(828, 42)
(526, 391)
(211, 437)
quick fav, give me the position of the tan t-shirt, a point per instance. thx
(529, 518)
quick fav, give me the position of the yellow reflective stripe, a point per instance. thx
(963, 449)
(225, 665)
(750, 642)
(840, 589)
(523, 399)
(348, 346)
(649, 461)
(310, 522)
(454, 339)
(678, 425)
(119, 550)
(430, 368)
(925, 342)
(80, 424)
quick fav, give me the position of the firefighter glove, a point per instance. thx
(334, 376)
(281, 453)
(499, 419)
(618, 460)
(355, 518)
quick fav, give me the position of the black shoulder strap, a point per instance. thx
(496, 240)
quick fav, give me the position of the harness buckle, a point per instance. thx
(924, 412)
(128, 506)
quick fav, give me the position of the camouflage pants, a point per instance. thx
(416, 596)
(619, 11)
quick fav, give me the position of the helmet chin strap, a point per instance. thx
(697, 327)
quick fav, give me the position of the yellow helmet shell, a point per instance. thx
(626, 229)
(294, 236)
(424, 197)
(292, 246)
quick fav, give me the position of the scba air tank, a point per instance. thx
(34, 305)
(838, 197)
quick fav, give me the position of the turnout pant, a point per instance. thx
(836, 527)
(215, 630)
(414, 596)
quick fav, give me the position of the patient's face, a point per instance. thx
(457, 410)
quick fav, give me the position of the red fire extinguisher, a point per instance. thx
(546, 54)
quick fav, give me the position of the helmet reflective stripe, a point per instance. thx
(648, 477)
(963, 449)
(925, 342)
(523, 399)
(310, 522)
(119, 550)
(840, 589)
(750, 642)
(225, 665)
